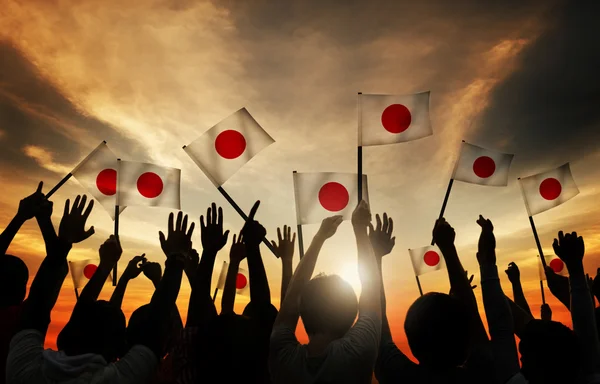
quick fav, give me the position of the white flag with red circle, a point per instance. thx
(478, 165)
(557, 265)
(548, 189)
(82, 271)
(389, 119)
(426, 259)
(98, 174)
(324, 194)
(225, 148)
(148, 185)
(242, 280)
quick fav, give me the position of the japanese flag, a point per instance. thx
(98, 174)
(426, 259)
(389, 119)
(557, 265)
(227, 146)
(477, 165)
(82, 271)
(242, 281)
(148, 184)
(321, 195)
(548, 189)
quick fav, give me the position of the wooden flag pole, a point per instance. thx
(244, 216)
(419, 285)
(299, 226)
(215, 294)
(444, 204)
(76, 294)
(114, 279)
(57, 186)
(542, 289)
(359, 153)
(537, 242)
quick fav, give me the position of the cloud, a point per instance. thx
(45, 159)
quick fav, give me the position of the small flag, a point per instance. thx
(225, 148)
(426, 259)
(321, 195)
(148, 184)
(390, 119)
(82, 271)
(557, 265)
(548, 189)
(98, 174)
(242, 281)
(477, 165)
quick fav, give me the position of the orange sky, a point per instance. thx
(150, 76)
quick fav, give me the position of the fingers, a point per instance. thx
(378, 220)
(220, 217)
(253, 210)
(178, 222)
(202, 225)
(208, 216)
(561, 236)
(390, 226)
(384, 228)
(170, 225)
(89, 233)
(184, 224)
(289, 233)
(161, 237)
(39, 187)
(273, 243)
(371, 229)
(82, 204)
(88, 210)
(556, 247)
(294, 239)
(225, 236)
(76, 203)
(67, 207)
(191, 230)
(279, 237)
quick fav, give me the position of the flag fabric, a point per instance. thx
(82, 271)
(222, 150)
(321, 195)
(148, 185)
(548, 189)
(426, 259)
(390, 119)
(557, 265)
(478, 165)
(242, 281)
(98, 174)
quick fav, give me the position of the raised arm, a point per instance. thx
(284, 249)
(368, 271)
(253, 233)
(570, 248)
(213, 240)
(559, 286)
(28, 208)
(133, 270)
(289, 311)
(514, 275)
(110, 253)
(236, 255)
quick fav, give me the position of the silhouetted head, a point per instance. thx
(137, 328)
(549, 353)
(94, 327)
(328, 305)
(437, 329)
(13, 280)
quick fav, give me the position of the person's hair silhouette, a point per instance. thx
(13, 280)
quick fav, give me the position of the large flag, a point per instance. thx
(557, 265)
(548, 189)
(98, 174)
(242, 281)
(148, 184)
(321, 195)
(227, 146)
(426, 259)
(389, 119)
(477, 165)
(82, 271)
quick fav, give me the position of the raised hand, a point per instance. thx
(253, 232)
(546, 312)
(72, 226)
(191, 264)
(211, 233)
(134, 267)
(110, 252)
(452, 293)
(487, 242)
(443, 234)
(570, 249)
(237, 253)
(31, 206)
(361, 217)
(329, 226)
(284, 248)
(178, 242)
(152, 271)
(513, 273)
(381, 236)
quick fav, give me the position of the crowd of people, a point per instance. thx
(349, 338)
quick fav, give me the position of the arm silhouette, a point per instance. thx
(284, 249)
(253, 233)
(514, 275)
(133, 270)
(236, 255)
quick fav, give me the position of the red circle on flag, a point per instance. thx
(396, 118)
(431, 258)
(484, 167)
(150, 185)
(334, 196)
(241, 281)
(89, 270)
(557, 265)
(230, 144)
(106, 182)
(550, 188)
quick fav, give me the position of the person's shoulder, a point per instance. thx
(517, 379)
(29, 336)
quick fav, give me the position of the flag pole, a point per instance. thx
(533, 229)
(298, 225)
(116, 233)
(542, 289)
(57, 186)
(215, 294)
(444, 204)
(359, 152)
(76, 294)
(419, 285)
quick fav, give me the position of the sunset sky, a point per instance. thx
(149, 76)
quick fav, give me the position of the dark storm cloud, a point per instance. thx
(548, 110)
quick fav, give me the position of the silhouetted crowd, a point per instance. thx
(349, 337)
